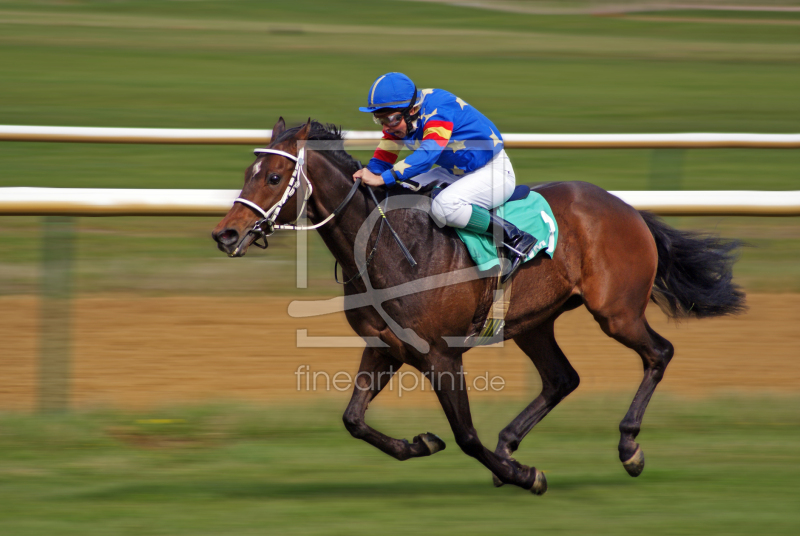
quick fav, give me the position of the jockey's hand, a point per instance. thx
(369, 178)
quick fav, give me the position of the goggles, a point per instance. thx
(391, 120)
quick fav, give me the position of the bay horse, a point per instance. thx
(610, 258)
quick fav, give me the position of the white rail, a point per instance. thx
(136, 202)
(358, 138)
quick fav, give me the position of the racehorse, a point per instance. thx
(610, 258)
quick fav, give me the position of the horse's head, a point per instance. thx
(270, 184)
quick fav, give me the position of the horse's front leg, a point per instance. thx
(449, 383)
(374, 374)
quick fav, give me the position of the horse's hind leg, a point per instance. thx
(558, 380)
(656, 353)
(374, 374)
(447, 378)
(618, 269)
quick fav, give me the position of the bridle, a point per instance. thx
(266, 226)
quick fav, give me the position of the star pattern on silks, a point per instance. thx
(461, 102)
(496, 139)
(425, 92)
(457, 171)
(456, 145)
(401, 166)
(425, 117)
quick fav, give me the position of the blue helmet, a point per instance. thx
(392, 90)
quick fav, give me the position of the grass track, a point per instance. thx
(714, 466)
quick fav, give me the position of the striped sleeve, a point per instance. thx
(435, 135)
(385, 155)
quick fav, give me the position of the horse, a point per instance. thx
(611, 258)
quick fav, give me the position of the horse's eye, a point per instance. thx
(274, 178)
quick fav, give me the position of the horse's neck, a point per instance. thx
(330, 189)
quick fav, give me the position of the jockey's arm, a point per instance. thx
(384, 158)
(435, 137)
(420, 161)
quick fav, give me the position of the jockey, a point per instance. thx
(443, 129)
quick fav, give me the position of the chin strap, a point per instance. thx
(411, 119)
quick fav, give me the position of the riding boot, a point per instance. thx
(517, 242)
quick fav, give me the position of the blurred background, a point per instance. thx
(183, 414)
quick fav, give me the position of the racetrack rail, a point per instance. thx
(157, 202)
(358, 138)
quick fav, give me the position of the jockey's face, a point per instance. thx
(394, 123)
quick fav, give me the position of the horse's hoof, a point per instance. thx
(432, 442)
(635, 464)
(496, 481)
(539, 483)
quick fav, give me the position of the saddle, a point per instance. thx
(520, 192)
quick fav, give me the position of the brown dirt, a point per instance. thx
(141, 352)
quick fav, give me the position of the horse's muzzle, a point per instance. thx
(228, 241)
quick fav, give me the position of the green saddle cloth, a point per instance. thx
(532, 214)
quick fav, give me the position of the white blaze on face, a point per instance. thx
(256, 168)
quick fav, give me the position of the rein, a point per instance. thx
(366, 263)
(384, 220)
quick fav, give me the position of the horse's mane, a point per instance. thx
(333, 151)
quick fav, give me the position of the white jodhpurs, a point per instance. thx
(487, 187)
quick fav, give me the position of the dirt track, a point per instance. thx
(139, 352)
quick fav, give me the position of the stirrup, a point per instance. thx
(511, 266)
(516, 257)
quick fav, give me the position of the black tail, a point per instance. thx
(694, 272)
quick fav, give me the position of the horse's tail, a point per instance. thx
(694, 274)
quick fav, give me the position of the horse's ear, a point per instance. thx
(303, 133)
(278, 129)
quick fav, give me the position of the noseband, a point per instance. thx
(266, 226)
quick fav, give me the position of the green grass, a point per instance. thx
(714, 466)
(242, 64)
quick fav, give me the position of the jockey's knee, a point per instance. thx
(450, 212)
(437, 213)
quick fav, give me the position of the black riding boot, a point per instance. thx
(517, 243)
